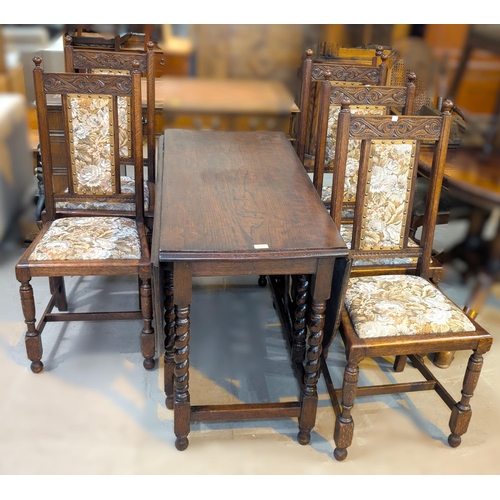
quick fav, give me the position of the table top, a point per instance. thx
(469, 175)
(238, 195)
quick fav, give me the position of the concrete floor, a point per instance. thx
(95, 410)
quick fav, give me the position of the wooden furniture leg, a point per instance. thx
(147, 334)
(169, 363)
(321, 286)
(182, 301)
(33, 341)
(57, 283)
(300, 323)
(462, 413)
(344, 424)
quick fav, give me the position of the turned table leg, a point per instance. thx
(309, 395)
(300, 323)
(169, 362)
(182, 301)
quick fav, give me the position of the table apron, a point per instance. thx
(255, 267)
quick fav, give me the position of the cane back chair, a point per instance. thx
(81, 59)
(396, 314)
(83, 241)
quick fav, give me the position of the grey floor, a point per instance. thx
(95, 410)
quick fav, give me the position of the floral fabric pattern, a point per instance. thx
(387, 194)
(89, 238)
(123, 114)
(91, 140)
(346, 233)
(127, 187)
(353, 155)
(386, 306)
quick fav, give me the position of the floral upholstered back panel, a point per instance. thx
(91, 144)
(388, 187)
(123, 114)
(352, 166)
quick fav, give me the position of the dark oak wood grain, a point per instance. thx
(239, 190)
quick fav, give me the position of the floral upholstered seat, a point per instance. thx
(382, 306)
(89, 238)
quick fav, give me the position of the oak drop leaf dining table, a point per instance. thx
(234, 204)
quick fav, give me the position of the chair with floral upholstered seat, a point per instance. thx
(396, 314)
(88, 241)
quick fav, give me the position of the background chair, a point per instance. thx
(81, 59)
(381, 99)
(311, 74)
(396, 314)
(82, 241)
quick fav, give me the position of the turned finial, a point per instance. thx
(309, 53)
(412, 77)
(150, 45)
(379, 50)
(345, 104)
(135, 65)
(384, 57)
(447, 106)
(68, 39)
(327, 75)
(38, 61)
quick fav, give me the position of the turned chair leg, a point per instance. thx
(344, 424)
(399, 363)
(57, 284)
(462, 413)
(147, 334)
(33, 339)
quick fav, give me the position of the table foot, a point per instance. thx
(181, 443)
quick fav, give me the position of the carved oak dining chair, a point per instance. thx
(82, 59)
(402, 315)
(84, 241)
(379, 101)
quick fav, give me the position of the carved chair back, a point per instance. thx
(93, 106)
(365, 100)
(312, 74)
(389, 151)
